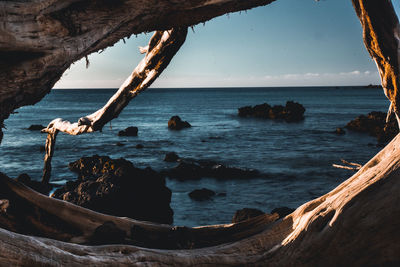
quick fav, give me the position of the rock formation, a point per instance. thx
(291, 112)
(116, 187)
(176, 123)
(375, 125)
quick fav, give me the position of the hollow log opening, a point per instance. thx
(355, 224)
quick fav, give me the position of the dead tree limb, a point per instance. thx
(350, 165)
(161, 49)
(381, 32)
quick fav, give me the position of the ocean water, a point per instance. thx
(296, 157)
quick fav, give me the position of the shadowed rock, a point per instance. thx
(201, 194)
(116, 187)
(282, 211)
(292, 112)
(375, 125)
(175, 123)
(171, 157)
(192, 170)
(36, 127)
(245, 214)
(130, 131)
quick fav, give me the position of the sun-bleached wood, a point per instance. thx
(162, 47)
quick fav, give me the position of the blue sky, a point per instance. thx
(287, 43)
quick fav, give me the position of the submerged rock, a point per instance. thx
(171, 157)
(292, 112)
(36, 127)
(245, 214)
(282, 211)
(130, 131)
(375, 125)
(339, 131)
(175, 123)
(192, 170)
(116, 187)
(201, 194)
(139, 146)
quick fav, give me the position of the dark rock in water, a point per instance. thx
(339, 131)
(108, 233)
(282, 211)
(245, 214)
(175, 123)
(292, 112)
(36, 127)
(139, 146)
(119, 144)
(116, 187)
(375, 125)
(35, 185)
(171, 157)
(222, 194)
(201, 194)
(130, 131)
(189, 170)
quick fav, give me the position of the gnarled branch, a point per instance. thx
(161, 49)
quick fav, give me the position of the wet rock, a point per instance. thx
(375, 125)
(171, 157)
(175, 123)
(119, 144)
(201, 194)
(282, 211)
(245, 214)
(130, 131)
(291, 112)
(116, 187)
(36, 127)
(192, 170)
(339, 131)
(139, 146)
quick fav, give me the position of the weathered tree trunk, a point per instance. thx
(356, 224)
(381, 32)
(40, 39)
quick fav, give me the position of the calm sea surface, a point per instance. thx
(297, 157)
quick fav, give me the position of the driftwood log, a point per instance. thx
(355, 224)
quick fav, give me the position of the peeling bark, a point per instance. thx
(160, 51)
(381, 32)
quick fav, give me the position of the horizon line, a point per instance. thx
(374, 86)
